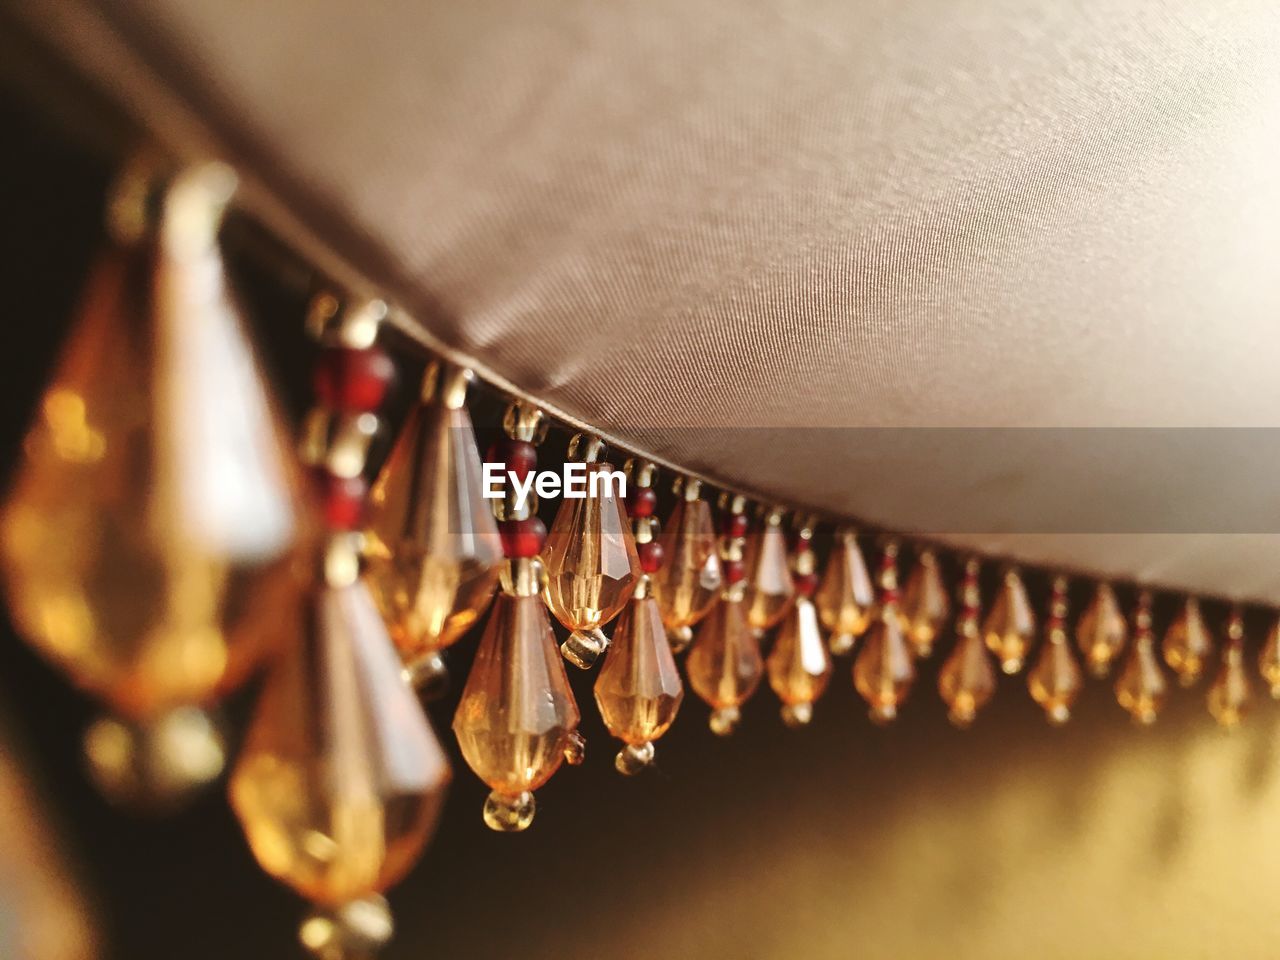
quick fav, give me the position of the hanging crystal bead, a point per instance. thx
(769, 586)
(925, 605)
(1055, 680)
(1230, 692)
(591, 560)
(1141, 687)
(884, 669)
(688, 583)
(799, 665)
(1187, 643)
(149, 539)
(846, 597)
(1010, 626)
(1102, 631)
(968, 678)
(433, 547)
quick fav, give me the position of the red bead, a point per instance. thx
(522, 538)
(353, 381)
(343, 500)
(734, 571)
(806, 583)
(641, 501)
(735, 525)
(889, 596)
(651, 556)
(517, 456)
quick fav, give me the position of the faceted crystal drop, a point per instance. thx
(1102, 631)
(846, 596)
(968, 678)
(689, 581)
(1141, 687)
(433, 547)
(885, 668)
(1229, 694)
(1055, 680)
(591, 564)
(724, 664)
(1269, 660)
(799, 664)
(517, 715)
(341, 779)
(1010, 626)
(1187, 643)
(149, 536)
(769, 584)
(639, 688)
(925, 605)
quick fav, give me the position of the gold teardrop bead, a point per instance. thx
(150, 535)
(1055, 680)
(1010, 625)
(1141, 687)
(799, 665)
(1187, 643)
(688, 583)
(341, 778)
(884, 668)
(925, 604)
(770, 588)
(724, 665)
(517, 716)
(967, 681)
(846, 597)
(433, 548)
(1230, 692)
(1102, 631)
(591, 565)
(639, 690)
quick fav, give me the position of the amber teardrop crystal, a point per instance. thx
(846, 596)
(1055, 680)
(517, 716)
(639, 688)
(591, 565)
(149, 536)
(967, 680)
(341, 779)
(925, 605)
(1230, 692)
(1187, 643)
(884, 668)
(433, 547)
(1010, 626)
(724, 664)
(688, 583)
(1141, 687)
(1102, 631)
(770, 588)
(1269, 660)
(799, 664)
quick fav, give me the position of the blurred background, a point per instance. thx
(842, 840)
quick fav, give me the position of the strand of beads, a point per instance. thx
(1141, 687)
(968, 678)
(884, 669)
(1054, 682)
(1230, 692)
(517, 720)
(1010, 627)
(639, 689)
(724, 665)
(799, 664)
(341, 779)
